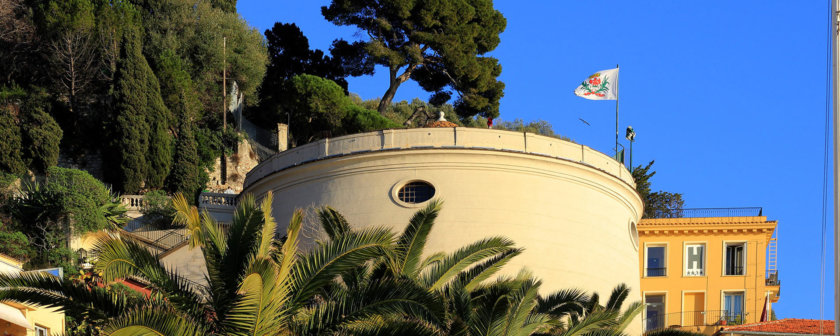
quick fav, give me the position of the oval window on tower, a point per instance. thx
(416, 192)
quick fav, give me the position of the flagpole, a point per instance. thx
(616, 117)
(835, 20)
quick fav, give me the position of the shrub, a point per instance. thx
(10, 142)
(15, 243)
(157, 209)
(41, 136)
(359, 119)
(79, 195)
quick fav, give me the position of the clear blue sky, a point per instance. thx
(727, 96)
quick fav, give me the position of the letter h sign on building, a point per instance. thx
(694, 257)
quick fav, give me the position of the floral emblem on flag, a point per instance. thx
(594, 85)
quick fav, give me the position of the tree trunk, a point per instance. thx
(389, 94)
(394, 85)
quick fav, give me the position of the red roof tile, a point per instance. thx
(786, 326)
(441, 123)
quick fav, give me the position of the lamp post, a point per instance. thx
(631, 136)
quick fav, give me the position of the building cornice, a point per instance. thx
(707, 225)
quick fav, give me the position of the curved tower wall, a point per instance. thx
(572, 208)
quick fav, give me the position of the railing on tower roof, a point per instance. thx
(708, 212)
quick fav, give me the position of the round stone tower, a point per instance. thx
(574, 210)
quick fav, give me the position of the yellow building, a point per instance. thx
(707, 269)
(23, 319)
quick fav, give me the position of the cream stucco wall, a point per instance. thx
(569, 206)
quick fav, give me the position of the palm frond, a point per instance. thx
(521, 302)
(439, 275)
(153, 320)
(624, 320)
(47, 290)
(288, 251)
(617, 297)
(269, 227)
(354, 308)
(188, 216)
(564, 302)
(410, 245)
(319, 267)
(432, 260)
(333, 223)
(481, 272)
(592, 322)
(123, 258)
(259, 309)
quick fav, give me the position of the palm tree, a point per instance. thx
(255, 286)
(472, 306)
(358, 282)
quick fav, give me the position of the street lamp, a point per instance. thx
(631, 136)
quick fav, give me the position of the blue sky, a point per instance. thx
(728, 98)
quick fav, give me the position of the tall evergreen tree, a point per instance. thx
(131, 129)
(160, 145)
(185, 175)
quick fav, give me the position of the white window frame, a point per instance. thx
(40, 329)
(743, 292)
(743, 262)
(664, 257)
(685, 258)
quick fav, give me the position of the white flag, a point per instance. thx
(603, 85)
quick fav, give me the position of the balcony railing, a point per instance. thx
(733, 270)
(132, 202)
(708, 212)
(655, 272)
(162, 239)
(693, 318)
(772, 278)
(216, 200)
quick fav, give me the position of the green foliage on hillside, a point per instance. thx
(116, 77)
